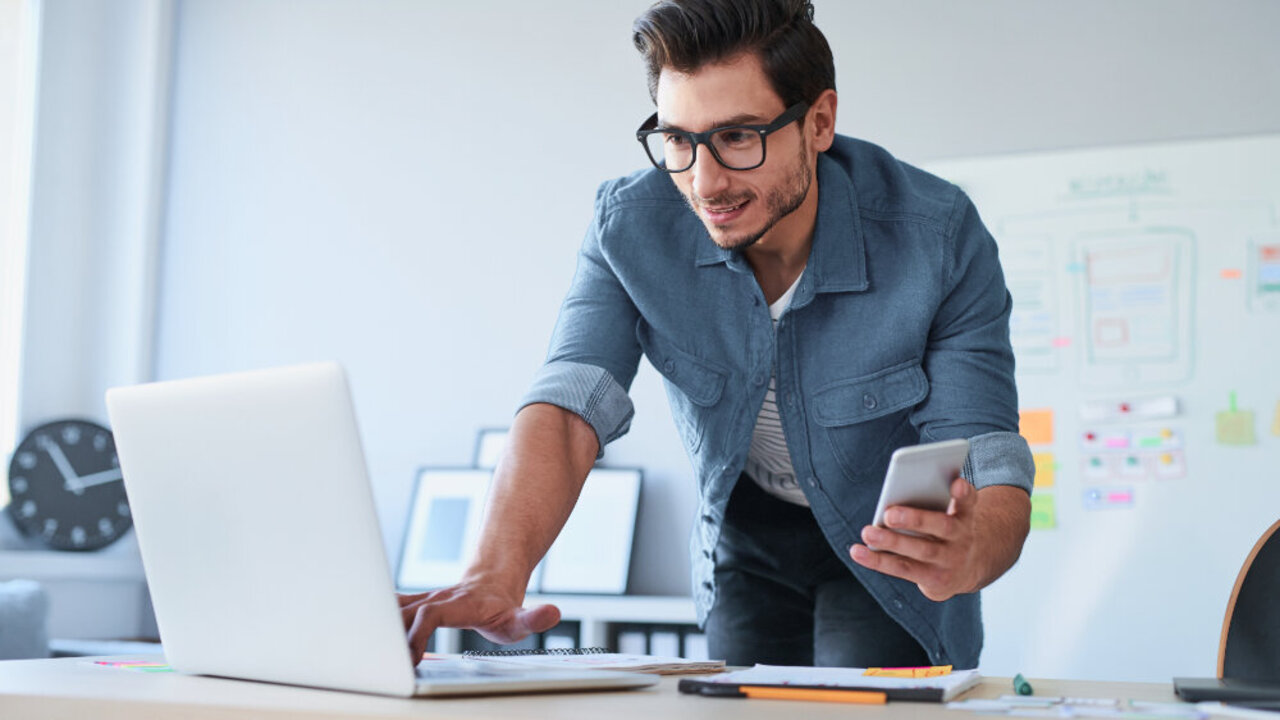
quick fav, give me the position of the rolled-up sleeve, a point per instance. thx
(594, 352)
(969, 360)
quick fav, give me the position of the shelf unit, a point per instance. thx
(596, 613)
(92, 595)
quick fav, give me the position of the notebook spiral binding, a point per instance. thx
(551, 651)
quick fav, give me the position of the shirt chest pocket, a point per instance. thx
(865, 418)
(694, 385)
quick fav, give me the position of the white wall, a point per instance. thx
(18, 21)
(92, 226)
(403, 185)
(101, 112)
(404, 189)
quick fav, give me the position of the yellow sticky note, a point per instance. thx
(1046, 469)
(1036, 426)
(1275, 424)
(908, 672)
(1044, 512)
(1235, 427)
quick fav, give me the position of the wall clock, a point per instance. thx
(66, 487)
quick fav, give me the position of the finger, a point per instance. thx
(887, 563)
(923, 549)
(926, 578)
(409, 604)
(540, 618)
(425, 622)
(519, 623)
(921, 522)
(409, 609)
(410, 598)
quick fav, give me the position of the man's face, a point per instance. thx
(738, 207)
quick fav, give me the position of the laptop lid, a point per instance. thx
(257, 529)
(1197, 689)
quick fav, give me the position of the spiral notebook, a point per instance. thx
(940, 688)
(597, 659)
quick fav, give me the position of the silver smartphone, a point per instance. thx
(920, 476)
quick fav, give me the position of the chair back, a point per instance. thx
(1250, 646)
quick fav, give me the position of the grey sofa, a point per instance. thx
(24, 613)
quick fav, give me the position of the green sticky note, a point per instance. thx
(1044, 514)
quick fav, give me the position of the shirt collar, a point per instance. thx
(837, 261)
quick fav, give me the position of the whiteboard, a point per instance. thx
(1146, 326)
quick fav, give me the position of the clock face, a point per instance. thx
(66, 488)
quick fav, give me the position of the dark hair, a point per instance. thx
(685, 35)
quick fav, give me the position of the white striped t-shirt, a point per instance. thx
(768, 460)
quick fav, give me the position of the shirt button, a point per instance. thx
(791, 400)
(813, 482)
(897, 604)
(669, 366)
(759, 380)
(869, 401)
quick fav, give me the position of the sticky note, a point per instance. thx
(1046, 469)
(1044, 514)
(138, 666)
(1235, 427)
(1170, 465)
(1036, 426)
(1231, 274)
(1097, 468)
(1275, 424)
(908, 672)
(1117, 440)
(1105, 498)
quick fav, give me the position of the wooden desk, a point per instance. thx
(75, 688)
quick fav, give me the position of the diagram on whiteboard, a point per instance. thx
(1136, 302)
(1264, 275)
(1146, 331)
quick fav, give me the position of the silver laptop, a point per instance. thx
(261, 545)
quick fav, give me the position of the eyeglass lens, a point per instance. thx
(736, 148)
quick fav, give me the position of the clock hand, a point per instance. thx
(101, 478)
(69, 477)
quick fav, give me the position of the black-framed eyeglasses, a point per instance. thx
(737, 147)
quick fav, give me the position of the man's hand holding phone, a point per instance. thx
(956, 543)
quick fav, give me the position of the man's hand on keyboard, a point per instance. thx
(472, 604)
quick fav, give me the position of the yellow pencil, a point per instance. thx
(863, 697)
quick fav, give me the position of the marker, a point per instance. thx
(861, 697)
(1020, 685)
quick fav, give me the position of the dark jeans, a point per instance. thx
(785, 598)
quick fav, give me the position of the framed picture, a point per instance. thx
(443, 527)
(489, 444)
(593, 552)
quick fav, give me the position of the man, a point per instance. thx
(812, 304)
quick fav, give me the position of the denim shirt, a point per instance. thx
(897, 334)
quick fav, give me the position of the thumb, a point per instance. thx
(519, 623)
(539, 618)
(963, 496)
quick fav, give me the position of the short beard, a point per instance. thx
(781, 202)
